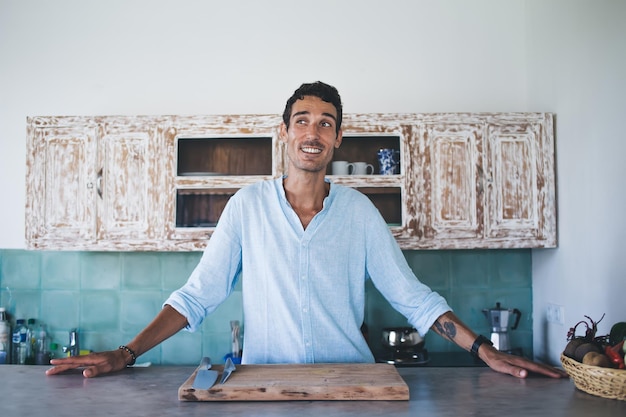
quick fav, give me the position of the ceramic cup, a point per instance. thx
(362, 168)
(340, 168)
(389, 161)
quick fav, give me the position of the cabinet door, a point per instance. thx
(60, 197)
(130, 183)
(449, 163)
(520, 183)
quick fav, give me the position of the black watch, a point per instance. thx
(478, 342)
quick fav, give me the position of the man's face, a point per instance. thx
(312, 136)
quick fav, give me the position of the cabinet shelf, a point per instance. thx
(364, 148)
(221, 156)
(201, 207)
(388, 201)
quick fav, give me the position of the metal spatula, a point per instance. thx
(204, 377)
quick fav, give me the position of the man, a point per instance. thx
(303, 248)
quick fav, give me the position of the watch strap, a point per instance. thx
(478, 343)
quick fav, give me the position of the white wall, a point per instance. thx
(577, 68)
(200, 57)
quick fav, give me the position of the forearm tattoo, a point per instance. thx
(448, 329)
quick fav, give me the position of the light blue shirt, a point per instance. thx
(304, 289)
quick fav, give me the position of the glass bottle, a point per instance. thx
(5, 337)
(20, 342)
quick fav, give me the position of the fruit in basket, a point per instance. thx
(602, 373)
(615, 355)
(578, 346)
(572, 345)
(617, 333)
(597, 359)
(586, 348)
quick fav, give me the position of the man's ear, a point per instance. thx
(339, 139)
(282, 132)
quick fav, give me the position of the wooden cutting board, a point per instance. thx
(372, 381)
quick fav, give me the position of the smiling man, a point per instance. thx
(304, 249)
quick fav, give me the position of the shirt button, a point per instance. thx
(304, 310)
(303, 277)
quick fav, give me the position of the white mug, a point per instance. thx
(340, 167)
(362, 168)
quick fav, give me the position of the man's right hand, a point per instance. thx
(94, 364)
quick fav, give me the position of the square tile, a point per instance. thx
(510, 268)
(216, 346)
(21, 269)
(468, 306)
(141, 271)
(138, 309)
(176, 268)
(24, 304)
(184, 348)
(60, 270)
(99, 310)
(431, 267)
(99, 341)
(470, 269)
(60, 310)
(100, 271)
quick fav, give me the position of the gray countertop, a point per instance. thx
(153, 391)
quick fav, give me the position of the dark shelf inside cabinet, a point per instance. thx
(201, 208)
(388, 200)
(225, 156)
(364, 149)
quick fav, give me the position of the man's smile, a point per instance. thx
(310, 149)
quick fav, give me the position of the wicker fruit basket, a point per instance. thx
(595, 380)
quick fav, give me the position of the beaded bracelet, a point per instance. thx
(132, 355)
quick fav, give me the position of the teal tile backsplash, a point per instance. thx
(110, 297)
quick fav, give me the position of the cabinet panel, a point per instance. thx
(128, 176)
(517, 181)
(60, 185)
(451, 162)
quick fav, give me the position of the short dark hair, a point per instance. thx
(318, 89)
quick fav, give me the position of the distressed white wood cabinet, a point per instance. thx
(160, 183)
(485, 181)
(94, 183)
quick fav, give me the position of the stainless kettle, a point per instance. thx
(499, 318)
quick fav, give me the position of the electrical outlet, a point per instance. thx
(555, 314)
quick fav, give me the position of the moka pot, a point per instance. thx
(499, 318)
